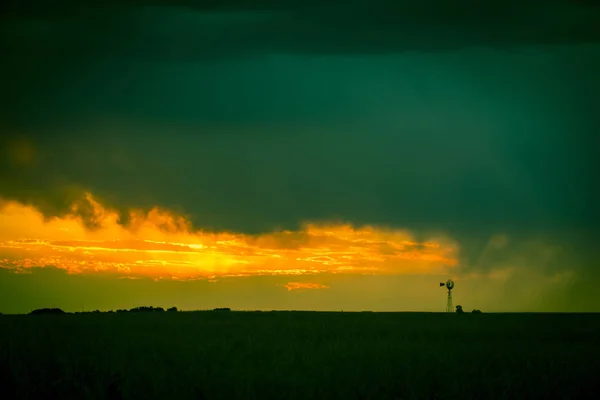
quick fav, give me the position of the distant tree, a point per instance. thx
(96, 311)
(459, 309)
(475, 311)
(172, 309)
(1, 313)
(222, 309)
(121, 310)
(40, 311)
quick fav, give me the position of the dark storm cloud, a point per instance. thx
(188, 30)
(289, 122)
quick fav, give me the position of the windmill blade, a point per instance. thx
(442, 284)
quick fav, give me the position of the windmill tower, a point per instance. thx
(450, 285)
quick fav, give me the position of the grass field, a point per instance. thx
(299, 355)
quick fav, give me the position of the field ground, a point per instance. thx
(299, 355)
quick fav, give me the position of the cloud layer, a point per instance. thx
(195, 30)
(161, 245)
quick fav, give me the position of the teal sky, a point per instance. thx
(259, 116)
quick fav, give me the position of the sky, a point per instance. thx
(310, 155)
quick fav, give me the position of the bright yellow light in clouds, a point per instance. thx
(303, 285)
(160, 244)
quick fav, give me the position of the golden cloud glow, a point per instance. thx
(303, 285)
(162, 245)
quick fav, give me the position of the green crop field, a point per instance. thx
(299, 355)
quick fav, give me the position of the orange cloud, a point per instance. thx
(160, 244)
(302, 285)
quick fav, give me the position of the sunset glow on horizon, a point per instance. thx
(159, 244)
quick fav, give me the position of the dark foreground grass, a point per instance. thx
(296, 355)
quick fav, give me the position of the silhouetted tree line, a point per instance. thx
(222, 309)
(460, 310)
(54, 311)
(133, 310)
(148, 309)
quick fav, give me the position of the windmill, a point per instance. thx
(450, 285)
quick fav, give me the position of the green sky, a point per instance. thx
(258, 116)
